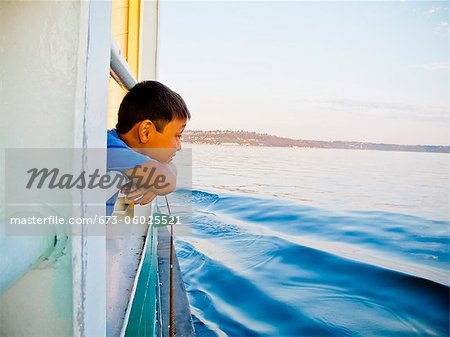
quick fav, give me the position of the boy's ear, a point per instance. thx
(145, 130)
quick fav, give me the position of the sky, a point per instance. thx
(338, 70)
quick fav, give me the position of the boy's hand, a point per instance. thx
(146, 198)
(154, 176)
(140, 196)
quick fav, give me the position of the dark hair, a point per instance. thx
(150, 100)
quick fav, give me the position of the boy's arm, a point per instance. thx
(141, 197)
(153, 176)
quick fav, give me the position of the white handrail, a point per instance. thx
(120, 70)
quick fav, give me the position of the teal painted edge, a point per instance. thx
(142, 320)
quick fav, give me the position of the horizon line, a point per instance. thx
(315, 140)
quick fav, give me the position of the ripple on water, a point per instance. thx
(243, 282)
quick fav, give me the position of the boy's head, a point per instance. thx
(152, 117)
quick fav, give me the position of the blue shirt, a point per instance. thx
(120, 157)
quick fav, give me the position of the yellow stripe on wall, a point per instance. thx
(134, 15)
(125, 27)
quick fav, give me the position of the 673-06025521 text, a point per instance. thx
(156, 219)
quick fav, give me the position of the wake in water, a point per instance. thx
(265, 267)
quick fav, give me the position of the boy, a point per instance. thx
(151, 120)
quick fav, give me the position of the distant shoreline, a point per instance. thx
(245, 138)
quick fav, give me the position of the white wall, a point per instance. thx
(54, 81)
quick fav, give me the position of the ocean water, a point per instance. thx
(316, 242)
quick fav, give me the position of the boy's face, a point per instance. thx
(163, 146)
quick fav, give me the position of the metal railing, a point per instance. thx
(119, 68)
